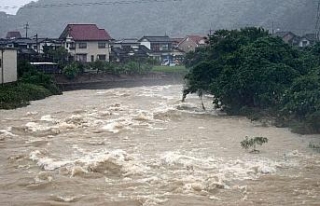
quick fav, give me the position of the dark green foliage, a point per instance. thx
(248, 70)
(32, 85)
(59, 55)
(13, 96)
(24, 67)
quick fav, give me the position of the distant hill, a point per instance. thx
(176, 18)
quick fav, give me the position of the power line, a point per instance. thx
(100, 3)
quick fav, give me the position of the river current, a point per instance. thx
(142, 146)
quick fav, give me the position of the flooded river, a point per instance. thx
(142, 146)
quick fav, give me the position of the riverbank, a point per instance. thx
(17, 95)
(106, 81)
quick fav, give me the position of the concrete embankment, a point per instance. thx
(106, 81)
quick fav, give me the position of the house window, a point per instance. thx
(81, 57)
(82, 45)
(101, 45)
(92, 58)
(164, 47)
(155, 47)
(102, 57)
(72, 46)
(305, 43)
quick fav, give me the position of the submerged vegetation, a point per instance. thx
(249, 71)
(253, 142)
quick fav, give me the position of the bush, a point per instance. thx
(13, 96)
(71, 71)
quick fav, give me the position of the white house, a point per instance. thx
(86, 42)
(8, 65)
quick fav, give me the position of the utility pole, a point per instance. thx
(26, 27)
(318, 22)
(37, 43)
(2, 67)
(210, 32)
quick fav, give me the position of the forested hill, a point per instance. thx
(175, 17)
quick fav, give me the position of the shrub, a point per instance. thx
(71, 71)
(13, 96)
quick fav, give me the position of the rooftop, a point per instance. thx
(85, 32)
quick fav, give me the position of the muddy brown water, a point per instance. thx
(142, 146)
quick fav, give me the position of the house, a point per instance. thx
(44, 44)
(288, 37)
(13, 35)
(128, 49)
(307, 40)
(192, 42)
(86, 42)
(161, 48)
(8, 65)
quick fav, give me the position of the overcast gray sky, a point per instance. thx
(12, 6)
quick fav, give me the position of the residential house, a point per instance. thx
(44, 44)
(8, 65)
(128, 49)
(13, 35)
(288, 37)
(24, 46)
(86, 42)
(161, 49)
(192, 42)
(307, 40)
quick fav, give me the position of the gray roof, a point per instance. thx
(283, 33)
(311, 37)
(127, 41)
(157, 38)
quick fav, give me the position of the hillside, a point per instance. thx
(176, 18)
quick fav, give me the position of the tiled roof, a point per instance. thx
(13, 34)
(177, 39)
(282, 34)
(85, 32)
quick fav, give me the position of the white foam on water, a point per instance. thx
(41, 129)
(116, 162)
(198, 175)
(47, 118)
(47, 163)
(31, 113)
(7, 133)
(114, 127)
(152, 200)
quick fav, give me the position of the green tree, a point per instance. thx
(59, 55)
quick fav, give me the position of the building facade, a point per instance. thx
(8, 65)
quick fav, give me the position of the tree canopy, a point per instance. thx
(250, 69)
